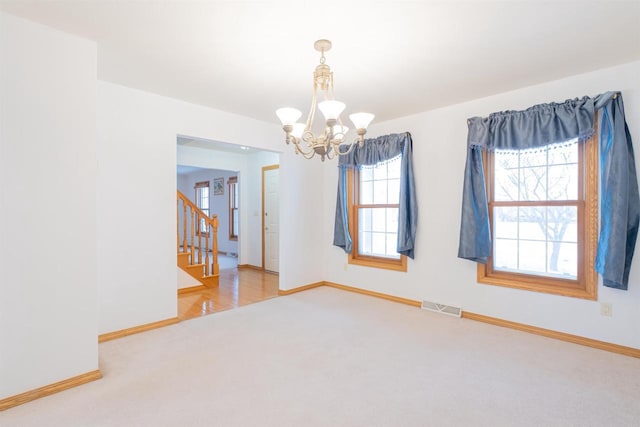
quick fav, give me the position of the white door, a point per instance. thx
(271, 216)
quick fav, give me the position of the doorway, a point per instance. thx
(236, 180)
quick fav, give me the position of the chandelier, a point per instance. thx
(333, 139)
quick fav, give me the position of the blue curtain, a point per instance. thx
(620, 202)
(374, 151)
(558, 123)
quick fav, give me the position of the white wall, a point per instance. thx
(437, 274)
(47, 206)
(137, 134)
(218, 205)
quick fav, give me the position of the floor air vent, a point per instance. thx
(442, 308)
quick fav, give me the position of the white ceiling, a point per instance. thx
(392, 58)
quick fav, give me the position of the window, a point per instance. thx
(202, 202)
(373, 209)
(543, 216)
(233, 208)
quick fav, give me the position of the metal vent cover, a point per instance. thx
(449, 310)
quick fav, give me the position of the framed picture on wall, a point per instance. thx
(218, 186)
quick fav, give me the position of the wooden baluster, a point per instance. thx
(193, 232)
(200, 239)
(215, 266)
(206, 242)
(184, 227)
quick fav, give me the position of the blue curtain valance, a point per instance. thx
(535, 127)
(547, 124)
(374, 151)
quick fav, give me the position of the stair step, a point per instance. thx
(210, 281)
(183, 259)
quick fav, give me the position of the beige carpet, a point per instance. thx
(326, 357)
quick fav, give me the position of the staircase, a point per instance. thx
(197, 242)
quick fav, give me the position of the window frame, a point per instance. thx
(586, 284)
(353, 200)
(232, 182)
(207, 210)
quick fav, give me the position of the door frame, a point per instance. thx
(264, 169)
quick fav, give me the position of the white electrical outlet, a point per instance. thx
(346, 266)
(606, 309)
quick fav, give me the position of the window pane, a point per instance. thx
(563, 182)
(533, 185)
(529, 158)
(533, 223)
(506, 184)
(505, 254)
(393, 190)
(378, 244)
(562, 223)
(366, 173)
(506, 159)
(532, 256)
(378, 220)
(393, 166)
(566, 154)
(380, 192)
(364, 243)
(364, 219)
(392, 245)
(505, 222)
(563, 259)
(366, 192)
(391, 225)
(380, 171)
(235, 223)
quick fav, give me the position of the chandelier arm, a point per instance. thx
(351, 146)
(306, 154)
(309, 139)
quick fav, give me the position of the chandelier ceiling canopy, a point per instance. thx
(331, 141)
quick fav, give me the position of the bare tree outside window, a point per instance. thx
(535, 212)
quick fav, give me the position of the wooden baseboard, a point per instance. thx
(576, 339)
(137, 329)
(190, 289)
(250, 267)
(283, 292)
(601, 345)
(388, 297)
(47, 390)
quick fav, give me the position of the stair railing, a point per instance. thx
(197, 229)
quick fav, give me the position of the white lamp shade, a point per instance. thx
(331, 109)
(288, 116)
(298, 130)
(361, 120)
(340, 131)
